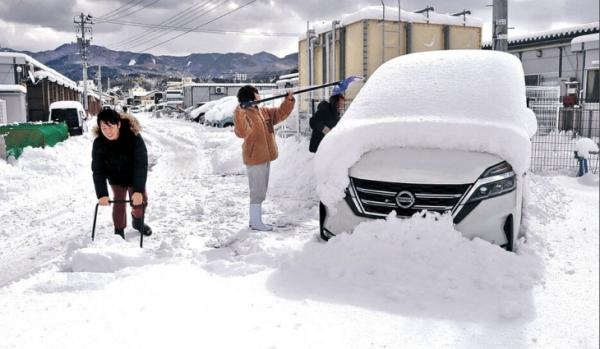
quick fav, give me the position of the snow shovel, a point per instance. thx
(340, 87)
(119, 202)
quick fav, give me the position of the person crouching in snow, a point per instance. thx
(255, 126)
(119, 155)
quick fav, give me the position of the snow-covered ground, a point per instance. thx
(204, 280)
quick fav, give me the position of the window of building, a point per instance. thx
(592, 86)
(532, 80)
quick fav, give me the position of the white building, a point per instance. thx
(197, 94)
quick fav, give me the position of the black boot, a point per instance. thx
(120, 232)
(137, 225)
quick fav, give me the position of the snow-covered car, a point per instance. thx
(71, 113)
(164, 109)
(135, 109)
(220, 114)
(445, 131)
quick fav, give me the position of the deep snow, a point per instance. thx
(467, 100)
(204, 280)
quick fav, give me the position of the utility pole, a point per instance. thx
(100, 83)
(500, 25)
(83, 31)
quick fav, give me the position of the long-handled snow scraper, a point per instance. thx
(119, 202)
(340, 87)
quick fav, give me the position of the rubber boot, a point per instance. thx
(136, 223)
(120, 232)
(256, 218)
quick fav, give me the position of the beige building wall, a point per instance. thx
(427, 37)
(465, 38)
(424, 37)
(303, 69)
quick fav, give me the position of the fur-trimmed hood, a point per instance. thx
(128, 122)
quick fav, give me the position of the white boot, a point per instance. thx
(256, 218)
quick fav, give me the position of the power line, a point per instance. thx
(199, 26)
(180, 19)
(169, 20)
(122, 15)
(110, 13)
(209, 31)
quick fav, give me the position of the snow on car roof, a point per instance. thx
(222, 109)
(470, 100)
(66, 105)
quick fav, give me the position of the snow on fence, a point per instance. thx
(545, 103)
(559, 128)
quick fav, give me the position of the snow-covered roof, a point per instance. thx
(589, 41)
(66, 105)
(586, 38)
(289, 76)
(466, 100)
(376, 12)
(13, 88)
(550, 34)
(45, 71)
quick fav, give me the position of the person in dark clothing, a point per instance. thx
(119, 155)
(324, 119)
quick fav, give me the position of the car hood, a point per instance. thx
(422, 166)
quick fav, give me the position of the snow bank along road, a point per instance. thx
(204, 280)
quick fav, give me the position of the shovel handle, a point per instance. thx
(119, 202)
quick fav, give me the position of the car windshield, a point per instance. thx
(65, 115)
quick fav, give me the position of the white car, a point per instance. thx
(71, 113)
(445, 131)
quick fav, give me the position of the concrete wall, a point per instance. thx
(426, 37)
(7, 70)
(16, 106)
(369, 43)
(464, 38)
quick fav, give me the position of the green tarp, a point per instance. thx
(19, 136)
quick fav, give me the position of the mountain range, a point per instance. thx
(207, 66)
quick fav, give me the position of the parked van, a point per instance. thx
(444, 132)
(71, 113)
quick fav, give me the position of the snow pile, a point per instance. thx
(108, 259)
(223, 108)
(132, 62)
(420, 265)
(585, 146)
(468, 100)
(293, 169)
(227, 157)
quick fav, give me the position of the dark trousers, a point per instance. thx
(119, 213)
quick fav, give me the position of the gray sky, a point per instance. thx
(37, 25)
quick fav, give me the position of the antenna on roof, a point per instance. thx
(464, 13)
(426, 10)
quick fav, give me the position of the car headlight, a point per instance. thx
(496, 180)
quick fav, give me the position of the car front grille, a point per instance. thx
(374, 198)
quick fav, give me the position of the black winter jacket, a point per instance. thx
(123, 161)
(326, 115)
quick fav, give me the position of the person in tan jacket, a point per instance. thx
(256, 126)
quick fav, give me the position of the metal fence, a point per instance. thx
(559, 129)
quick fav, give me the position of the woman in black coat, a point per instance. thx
(119, 156)
(324, 119)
